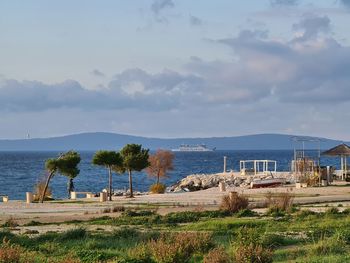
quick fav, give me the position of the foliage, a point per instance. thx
(66, 164)
(12, 253)
(279, 203)
(234, 203)
(157, 188)
(135, 158)
(179, 247)
(112, 161)
(160, 163)
(217, 255)
(38, 190)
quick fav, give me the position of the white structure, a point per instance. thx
(257, 167)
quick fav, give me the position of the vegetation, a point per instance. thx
(66, 164)
(157, 188)
(135, 158)
(233, 203)
(206, 236)
(159, 164)
(112, 161)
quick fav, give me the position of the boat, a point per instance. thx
(271, 182)
(193, 148)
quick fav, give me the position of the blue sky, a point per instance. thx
(175, 68)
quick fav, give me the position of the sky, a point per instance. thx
(174, 68)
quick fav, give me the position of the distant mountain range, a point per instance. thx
(102, 140)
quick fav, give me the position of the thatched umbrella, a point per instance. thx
(343, 151)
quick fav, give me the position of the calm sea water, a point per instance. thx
(19, 171)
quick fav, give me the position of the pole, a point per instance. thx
(225, 160)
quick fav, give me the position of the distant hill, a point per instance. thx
(101, 140)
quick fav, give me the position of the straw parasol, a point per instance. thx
(343, 151)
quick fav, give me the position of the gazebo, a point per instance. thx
(343, 151)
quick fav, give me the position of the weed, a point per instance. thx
(233, 203)
(217, 255)
(11, 222)
(157, 188)
(119, 208)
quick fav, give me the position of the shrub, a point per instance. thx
(11, 222)
(73, 234)
(157, 188)
(332, 211)
(234, 203)
(119, 208)
(140, 254)
(249, 246)
(331, 245)
(282, 202)
(247, 213)
(106, 210)
(253, 254)
(39, 188)
(305, 213)
(126, 232)
(217, 255)
(179, 247)
(10, 253)
(133, 213)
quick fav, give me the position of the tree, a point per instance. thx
(160, 163)
(66, 164)
(135, 158)
(69, 168)
(51, 165)
(111, 160)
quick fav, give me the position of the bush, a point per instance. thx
(332, 211)
(73, 234)
(247, 213)
(11, 222)
(217, 255)
(10, 253)
(39, 188)
(157, 188)
(234, 203)
(282, 202)
(140, 254)
(250, 247)
(305, 213)
(126, 232)
(253, 254)
(119, 208)
(331, 245)
(179, 247)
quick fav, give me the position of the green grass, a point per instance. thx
(299, 237)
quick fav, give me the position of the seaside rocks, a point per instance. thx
(195, 182)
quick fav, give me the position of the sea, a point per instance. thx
(20, 171)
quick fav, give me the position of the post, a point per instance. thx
(222, 187)
(29, 197)
(103, 197)
(73, 195)
(225, 159)
(5, 199)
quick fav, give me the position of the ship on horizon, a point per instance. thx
(193, 148)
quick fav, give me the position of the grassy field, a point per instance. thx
(201, 236)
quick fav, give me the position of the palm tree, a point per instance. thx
(111, 160)
(135, 158)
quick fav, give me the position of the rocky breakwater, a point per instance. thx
(195, 182)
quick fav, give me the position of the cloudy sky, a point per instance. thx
(175, 68)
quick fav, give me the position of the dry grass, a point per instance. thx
(217, 255)
(179, 247)
(10, 253)
(11, 222)
(253, 254)
(281, 201)
(234, 203)
(39, 188)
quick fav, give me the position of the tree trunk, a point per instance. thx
(110, 183)
(46, 186)
(130, 184)
(158, 177)
(70, 187)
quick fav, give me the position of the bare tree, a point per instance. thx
(160, 163)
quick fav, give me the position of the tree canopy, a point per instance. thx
(135, 158)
